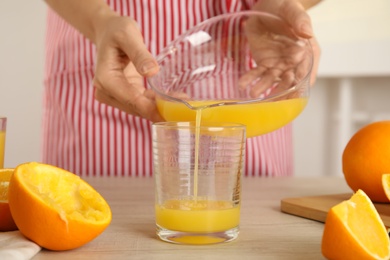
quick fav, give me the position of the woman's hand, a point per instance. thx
(278, 46)
(122, 57)
(294, 13)
(122, 63)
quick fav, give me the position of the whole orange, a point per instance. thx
(55, 208)
(366, 158)
(6, 221)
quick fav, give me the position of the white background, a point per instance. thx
(355, 41)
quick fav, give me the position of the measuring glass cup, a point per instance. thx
(245, 67)
(197, 173)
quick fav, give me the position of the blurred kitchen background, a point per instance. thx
(352, 89)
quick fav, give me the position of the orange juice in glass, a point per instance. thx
(3, 126)
(197, 221)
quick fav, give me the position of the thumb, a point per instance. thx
(135, 49)
(295, 15)
(144, 62)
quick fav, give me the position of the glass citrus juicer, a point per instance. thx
(246, 67)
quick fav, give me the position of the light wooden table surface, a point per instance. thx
(265, 232)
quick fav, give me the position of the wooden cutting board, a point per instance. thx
(317, 207)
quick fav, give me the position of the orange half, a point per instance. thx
(354, 230)
(55, 208)
(6, 221)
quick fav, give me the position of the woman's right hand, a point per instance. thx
(280, 48)
(122, 63)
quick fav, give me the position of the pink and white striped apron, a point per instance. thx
(89, 138)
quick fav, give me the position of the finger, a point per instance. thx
(316, 58)
(150, 94)
(302, 70)
(132, 43)
(126, 93)
(269, 78)
(102, 97)
(287, 81)
(294, 13)
(250, 77)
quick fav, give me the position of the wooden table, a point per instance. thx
(265, 232)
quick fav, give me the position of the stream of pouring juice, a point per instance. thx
(196, 159)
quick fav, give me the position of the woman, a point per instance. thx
(98, 109)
